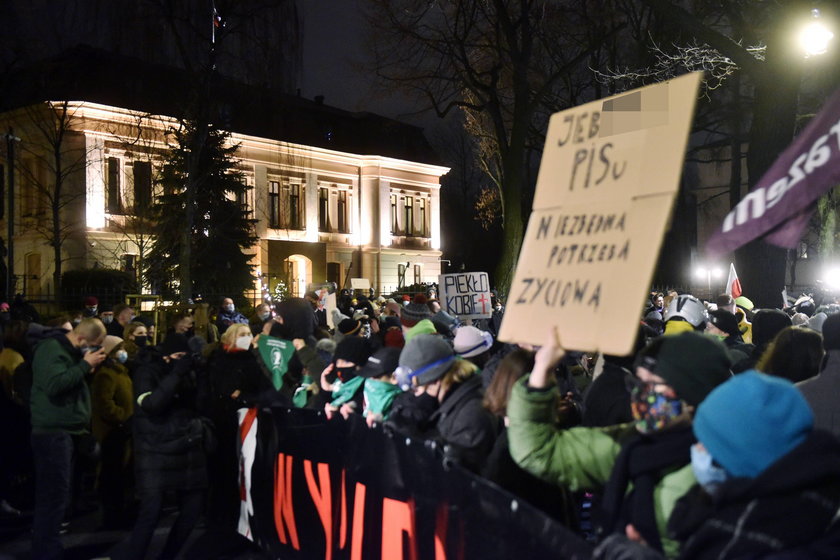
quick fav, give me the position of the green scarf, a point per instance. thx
(275, 354)
(301, 396)
(379, 396)
(343, 391)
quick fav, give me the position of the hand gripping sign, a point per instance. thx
(609, 174)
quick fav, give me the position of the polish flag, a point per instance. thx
(733, 285)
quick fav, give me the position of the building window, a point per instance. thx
(418, 274)
(273, 204)
(323, 209)
(113, 201)
(32, 196)
(130, 264)
(242, 199)
(142, 186)
(394, 226)
(295, 208)
(408, 223)
(422, 229)
(401, 268)
(342, 212)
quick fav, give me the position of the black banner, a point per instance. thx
(313, 488)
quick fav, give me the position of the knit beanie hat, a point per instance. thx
(426, 357)
(470, 341)
(415, 311)
(766, 324)
(423, 327)
(353, 349)
(349, 326)
(751, 421)
(744, 302)
(725, 321)
(799, 320)
(693, 364)
(831, 332)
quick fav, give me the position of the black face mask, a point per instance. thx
(346, 373)
(140, 341)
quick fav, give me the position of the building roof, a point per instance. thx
(88, 74)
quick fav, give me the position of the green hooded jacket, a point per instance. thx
(580, 458)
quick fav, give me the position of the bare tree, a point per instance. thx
(52, 153)
(506, 64)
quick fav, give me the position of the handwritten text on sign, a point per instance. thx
(466, 295)
(607, 180)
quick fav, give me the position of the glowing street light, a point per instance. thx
(832, 278)
(815, 36)
(707, 272)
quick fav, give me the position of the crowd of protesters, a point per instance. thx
(716, 438)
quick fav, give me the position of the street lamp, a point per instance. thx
(815, 36)
(707, 272)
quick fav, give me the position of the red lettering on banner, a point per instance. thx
(342, 539)
(398, 518)
(322, 498)
(441, 519)
(283, 508)
(358, 522)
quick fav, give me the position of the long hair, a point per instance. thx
(795, 354)
(460, 371)
(512, 367)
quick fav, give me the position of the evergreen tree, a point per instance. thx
(221, 229)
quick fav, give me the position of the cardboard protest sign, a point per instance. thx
(465, 295)
(330, 304)
(609, 174)
(360, 283)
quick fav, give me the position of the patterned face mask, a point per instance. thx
(652, 410)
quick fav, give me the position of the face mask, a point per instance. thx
(708, 475)
(140, 340)
(244, 342)
(498, 308)
(76, 321)
(107, 319)
(229, 308)
(653, 411)
(264, 316)
(121, 356)
(345, 373)
(91, 311)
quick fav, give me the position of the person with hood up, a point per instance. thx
(112, 406)
(341, 377)
(443, 401)
(642, 467)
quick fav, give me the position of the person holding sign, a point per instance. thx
(642, 468)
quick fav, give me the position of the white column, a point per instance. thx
(311, 207)
(95, 183)
(434, 218)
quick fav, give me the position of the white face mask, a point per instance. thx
(244, 342)
(121, 356)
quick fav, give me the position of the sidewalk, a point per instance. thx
(83, 540)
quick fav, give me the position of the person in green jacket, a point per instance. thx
(641, 468)
(60, 405)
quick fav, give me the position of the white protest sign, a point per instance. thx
(360, 283)
(465, 295)
(608, 177)
(329, 305)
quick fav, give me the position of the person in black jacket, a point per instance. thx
(236, 381)
(169, 440)
(445, 403)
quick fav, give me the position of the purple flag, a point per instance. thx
(783, 200)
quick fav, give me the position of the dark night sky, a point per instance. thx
(333, 49)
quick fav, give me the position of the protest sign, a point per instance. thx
(360, 283)
(608, 177)
(465, 295)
